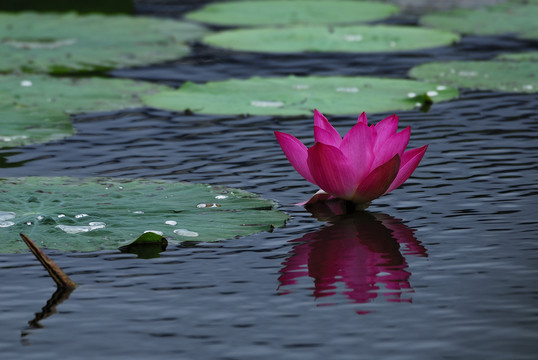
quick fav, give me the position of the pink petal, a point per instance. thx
(362, 119)
(410, 161)
(296, 152)
(319, 196)
(331, 170)
(358, 147)
(402, 138)
(377, 182)
(326, 137)
(385, 129)
(330, 136)
(394, 144)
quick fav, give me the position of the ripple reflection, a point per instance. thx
(365, 251)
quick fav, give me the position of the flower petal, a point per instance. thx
(329, 136)
(362, 119)
(358, 146)
(326, 137)
(296, 152)
(385, 129)
(394, 144)
(331, 170)
(377, 182)
(410, 161)
(319, 196)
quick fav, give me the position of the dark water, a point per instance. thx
(443, 268)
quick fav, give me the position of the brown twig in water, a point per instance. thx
(57, 274)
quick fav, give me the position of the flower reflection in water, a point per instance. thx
(363, 250)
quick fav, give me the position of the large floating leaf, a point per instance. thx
(377, 38)
(36, 108)
(86, 215)
(510, 76)
(284, 12)
(524, 56)
(31, 42)
(291, 96)
(508, 18)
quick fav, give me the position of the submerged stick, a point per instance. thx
(57, 274)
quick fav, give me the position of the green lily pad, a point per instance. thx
(509, 76)
(378, 38)
(292, 96)
(525, 56)
(90, 214)
(510, 18)
(70, 43)
(284, 12)
(36, 108)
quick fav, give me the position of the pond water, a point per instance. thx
(443, 268)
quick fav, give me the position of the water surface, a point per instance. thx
(443, 268)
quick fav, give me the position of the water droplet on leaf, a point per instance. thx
(6, 215)
(353, 37)
(347, 89)
(5, 224)
(260, 103)
(77, 229)
(185, 232)
(201, 206)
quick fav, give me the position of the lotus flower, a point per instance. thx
(368, 162)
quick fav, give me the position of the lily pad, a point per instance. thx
(524, 56)
(284, 12)
(292, 96)
(36, 108)
(98, 213)
(378, 38)
(509, 76)
(70, 43)
(510, 18)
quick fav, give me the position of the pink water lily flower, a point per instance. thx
(368, 162)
